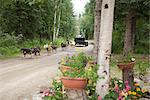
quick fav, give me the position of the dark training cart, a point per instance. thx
(80, 41)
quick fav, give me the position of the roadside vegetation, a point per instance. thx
(30, 23)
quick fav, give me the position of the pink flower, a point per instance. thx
(126, 83)
(99, 98)
(128, 88)
(120, 98)
(47, 94)
(116, 88)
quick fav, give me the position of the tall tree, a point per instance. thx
(59, 18)
(87, 20)
(130, 32)
(97, 22)
(135, 9)
(105, 42)
(55, 19)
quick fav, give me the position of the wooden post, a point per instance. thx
(127, 75)
(127, 72)
(76, 94)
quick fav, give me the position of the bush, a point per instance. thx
(8, 51)
(59, 41)
(8, 40)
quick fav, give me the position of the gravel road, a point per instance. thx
(22, 77)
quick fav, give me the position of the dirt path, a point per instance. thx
(22, 77)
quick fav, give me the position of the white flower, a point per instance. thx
(133, 59)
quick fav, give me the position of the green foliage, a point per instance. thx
(75, 64)
(10, 44)
(75, 74)
(91, 74)
(35, 18)
(87, 20)
(139, 9)
(142, 37)
(142, 67)
(77, 61)
(57, 86)
(29, 23)
(58, 41)
(8, 51)
(111, 96)
(118, 36)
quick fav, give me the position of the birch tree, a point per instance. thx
(59, 16)
(55, 17)
(97, 21)
(105, 42)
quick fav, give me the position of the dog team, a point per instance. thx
(36, 50)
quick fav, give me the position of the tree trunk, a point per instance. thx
(97, 22)
(54, 33)
(49, 35)
(130, 32)
(59, 16)
(133, 31)
(105, 42)
(58, 27)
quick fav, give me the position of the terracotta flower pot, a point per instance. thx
(74, 83)
(63, 69)
(128, 65)
(92, 62)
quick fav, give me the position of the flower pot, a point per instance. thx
(92, 62)
(63, 69)
(128, 65)
(74, 83)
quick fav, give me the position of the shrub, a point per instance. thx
(8, 51)
(59, 41)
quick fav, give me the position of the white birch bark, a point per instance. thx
(105, 42)
(54, 33)
(58, 27)
(97, 19)
(59, 16)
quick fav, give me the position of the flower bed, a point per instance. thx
(120, 90)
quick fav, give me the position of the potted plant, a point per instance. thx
(74, 79)
(78, 79)
(126, 63)
(74, 63)
(78, 74)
